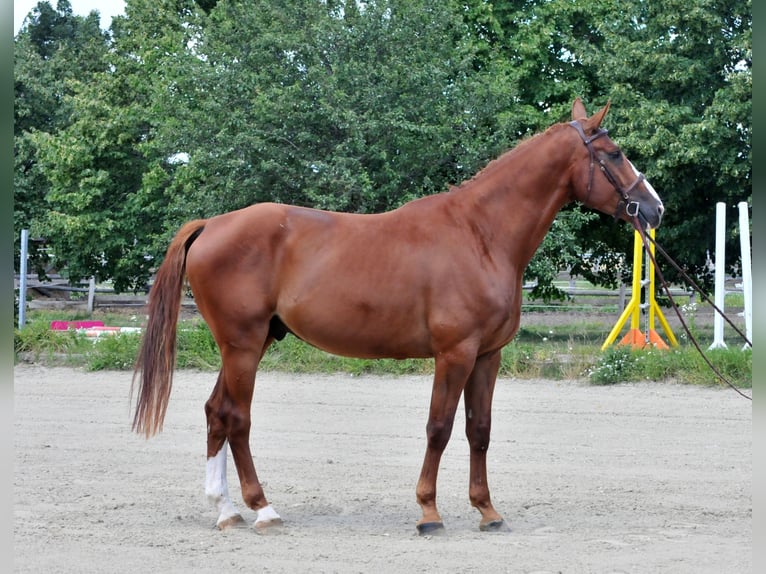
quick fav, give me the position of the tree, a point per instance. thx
(680, 77)
(53, 53)
(334, 106)
(191, 108)
(105, 202)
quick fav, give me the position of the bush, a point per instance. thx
(196, 347)
(114, 352)
(618, 364)
(39, 340)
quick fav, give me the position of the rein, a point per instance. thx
(630, 206)
(645, 238)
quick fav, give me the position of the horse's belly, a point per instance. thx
(353, 330)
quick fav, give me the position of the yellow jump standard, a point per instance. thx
(635, 337)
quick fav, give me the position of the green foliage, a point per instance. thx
(617, 365)
(113, 352)
(680, 78)
(187, 109)
(559, 250)
(37, 340)
(196, 348)
(55, 54)
(347, 110)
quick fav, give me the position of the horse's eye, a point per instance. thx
(615, 155)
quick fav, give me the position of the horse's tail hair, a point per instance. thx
(153, 372)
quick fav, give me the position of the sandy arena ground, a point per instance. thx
(639, 478)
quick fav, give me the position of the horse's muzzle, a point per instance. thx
(650, 216)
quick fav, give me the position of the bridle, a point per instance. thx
(630, 206)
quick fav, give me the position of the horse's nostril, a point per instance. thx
(660, 209)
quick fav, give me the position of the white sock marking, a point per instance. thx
(266, 514)
(216, 486)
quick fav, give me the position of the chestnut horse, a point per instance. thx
(439, 277)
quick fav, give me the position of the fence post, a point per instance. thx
(720, 270)
(621, 303)
(23, 278)
(91, 293)
(747, 278)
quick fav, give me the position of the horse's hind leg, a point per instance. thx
(228, 416)
(478, 421)
(216, 484)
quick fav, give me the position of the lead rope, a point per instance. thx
(718, 373)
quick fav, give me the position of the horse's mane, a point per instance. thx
(520, 147)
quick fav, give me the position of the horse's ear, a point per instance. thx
(594, 122)
(578, 110)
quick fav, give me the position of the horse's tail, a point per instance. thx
(157, 355)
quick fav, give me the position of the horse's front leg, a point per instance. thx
(451, 372)
(478, 422)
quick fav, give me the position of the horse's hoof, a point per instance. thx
(431, 528)
(268, 526)
(232, 522)
(495, 526)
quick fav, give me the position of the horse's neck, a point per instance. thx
(518, 195)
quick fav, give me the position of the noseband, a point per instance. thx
(630, 206)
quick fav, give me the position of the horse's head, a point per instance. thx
(605, 179)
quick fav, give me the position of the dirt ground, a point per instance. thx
(635, 478)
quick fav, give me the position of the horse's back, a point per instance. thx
(270, 229)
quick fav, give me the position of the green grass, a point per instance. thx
(113, 352)
(684, 364)
(37, 341)
(566, 352)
